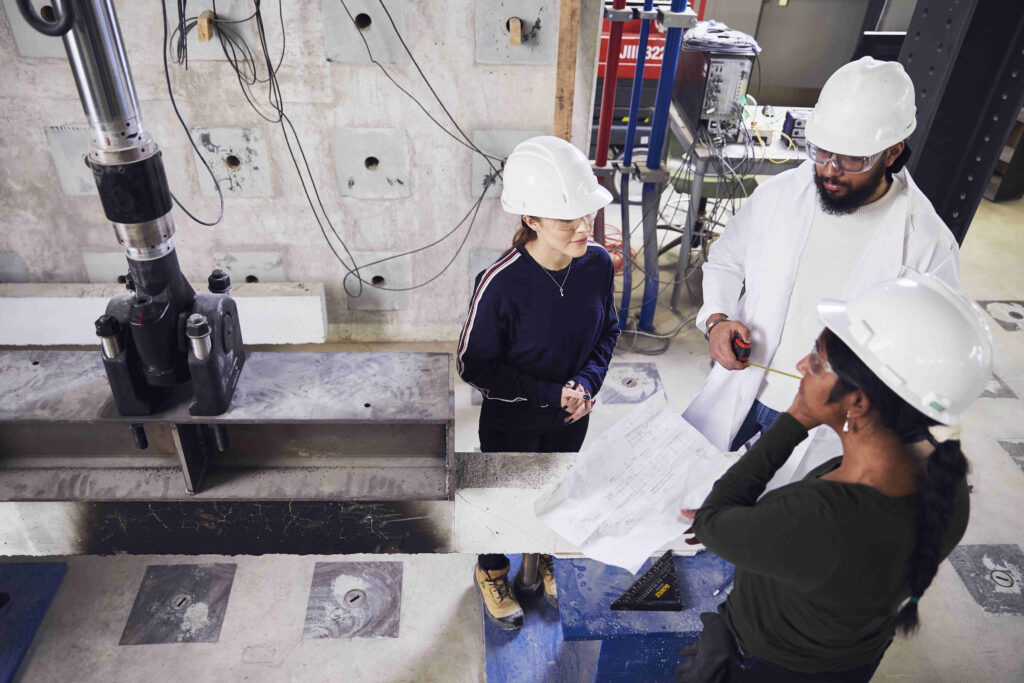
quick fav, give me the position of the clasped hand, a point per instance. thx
(576, 401)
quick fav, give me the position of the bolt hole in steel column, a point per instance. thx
(251, 279)
(363, 22)
(371, 163)
(35, 362)
(366, 405)
(232, 162)
(378, 281)
(355, 598)
(180, 602)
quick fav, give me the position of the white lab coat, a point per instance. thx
(760, 249)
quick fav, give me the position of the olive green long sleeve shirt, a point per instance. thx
(821, 566)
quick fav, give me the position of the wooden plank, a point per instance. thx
(515, 30)
(204, 26)
(565, 76)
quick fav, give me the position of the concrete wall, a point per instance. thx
(44, 232)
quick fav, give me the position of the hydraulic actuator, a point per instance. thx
(161, 334)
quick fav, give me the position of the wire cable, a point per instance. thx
(465, 143)
(174, 104)
(243, 61)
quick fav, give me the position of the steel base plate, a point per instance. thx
(355, 600)
(181, 603)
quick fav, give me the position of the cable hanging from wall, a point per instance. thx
(242, 59)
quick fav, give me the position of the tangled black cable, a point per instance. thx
(243, 61)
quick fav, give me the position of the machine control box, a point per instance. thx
(795, 124)
(710, 88)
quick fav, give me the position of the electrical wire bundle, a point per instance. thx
(244, 61)
(730, 190)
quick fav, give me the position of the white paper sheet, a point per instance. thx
(620, 501)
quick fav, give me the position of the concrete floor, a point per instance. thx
(440, 635)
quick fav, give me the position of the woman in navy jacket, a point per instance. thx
(541, 328)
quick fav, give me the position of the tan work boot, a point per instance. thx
(546, 569)
(500, 605)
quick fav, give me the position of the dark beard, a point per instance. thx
(844, 206)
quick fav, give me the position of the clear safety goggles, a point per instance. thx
(844, 163)
(573, 225)
(816, 365)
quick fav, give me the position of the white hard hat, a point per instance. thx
(924, 340)
(548, 177)
(865, 107)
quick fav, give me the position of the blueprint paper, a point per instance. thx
(620, 501)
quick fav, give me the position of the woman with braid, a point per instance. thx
(830, 568)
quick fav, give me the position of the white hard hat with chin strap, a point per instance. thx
(548, 177)
(865, 107)
(927, 342)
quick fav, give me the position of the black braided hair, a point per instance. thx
(946, 467)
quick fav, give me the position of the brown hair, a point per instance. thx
(524, 234)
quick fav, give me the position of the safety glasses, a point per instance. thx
(844, 163)
(573, 225)
(816, 365)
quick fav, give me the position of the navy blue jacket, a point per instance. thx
(523, 341)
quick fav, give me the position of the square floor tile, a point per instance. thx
(354, 600)
(992, 574)
(1009, 314)
(997, 388)
(26, 590)
(180, 603)
(1015, 449)
(630, 383)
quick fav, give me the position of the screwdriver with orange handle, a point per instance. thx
(741, 349)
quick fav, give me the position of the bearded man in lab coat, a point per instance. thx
(846, 219)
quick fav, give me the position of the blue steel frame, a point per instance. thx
(659, 126)
(627, 159)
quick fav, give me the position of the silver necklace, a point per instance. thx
(561, 287)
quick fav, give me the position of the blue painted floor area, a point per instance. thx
(537, 651)
(587, 588)
(26, 590)
(651, 659)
